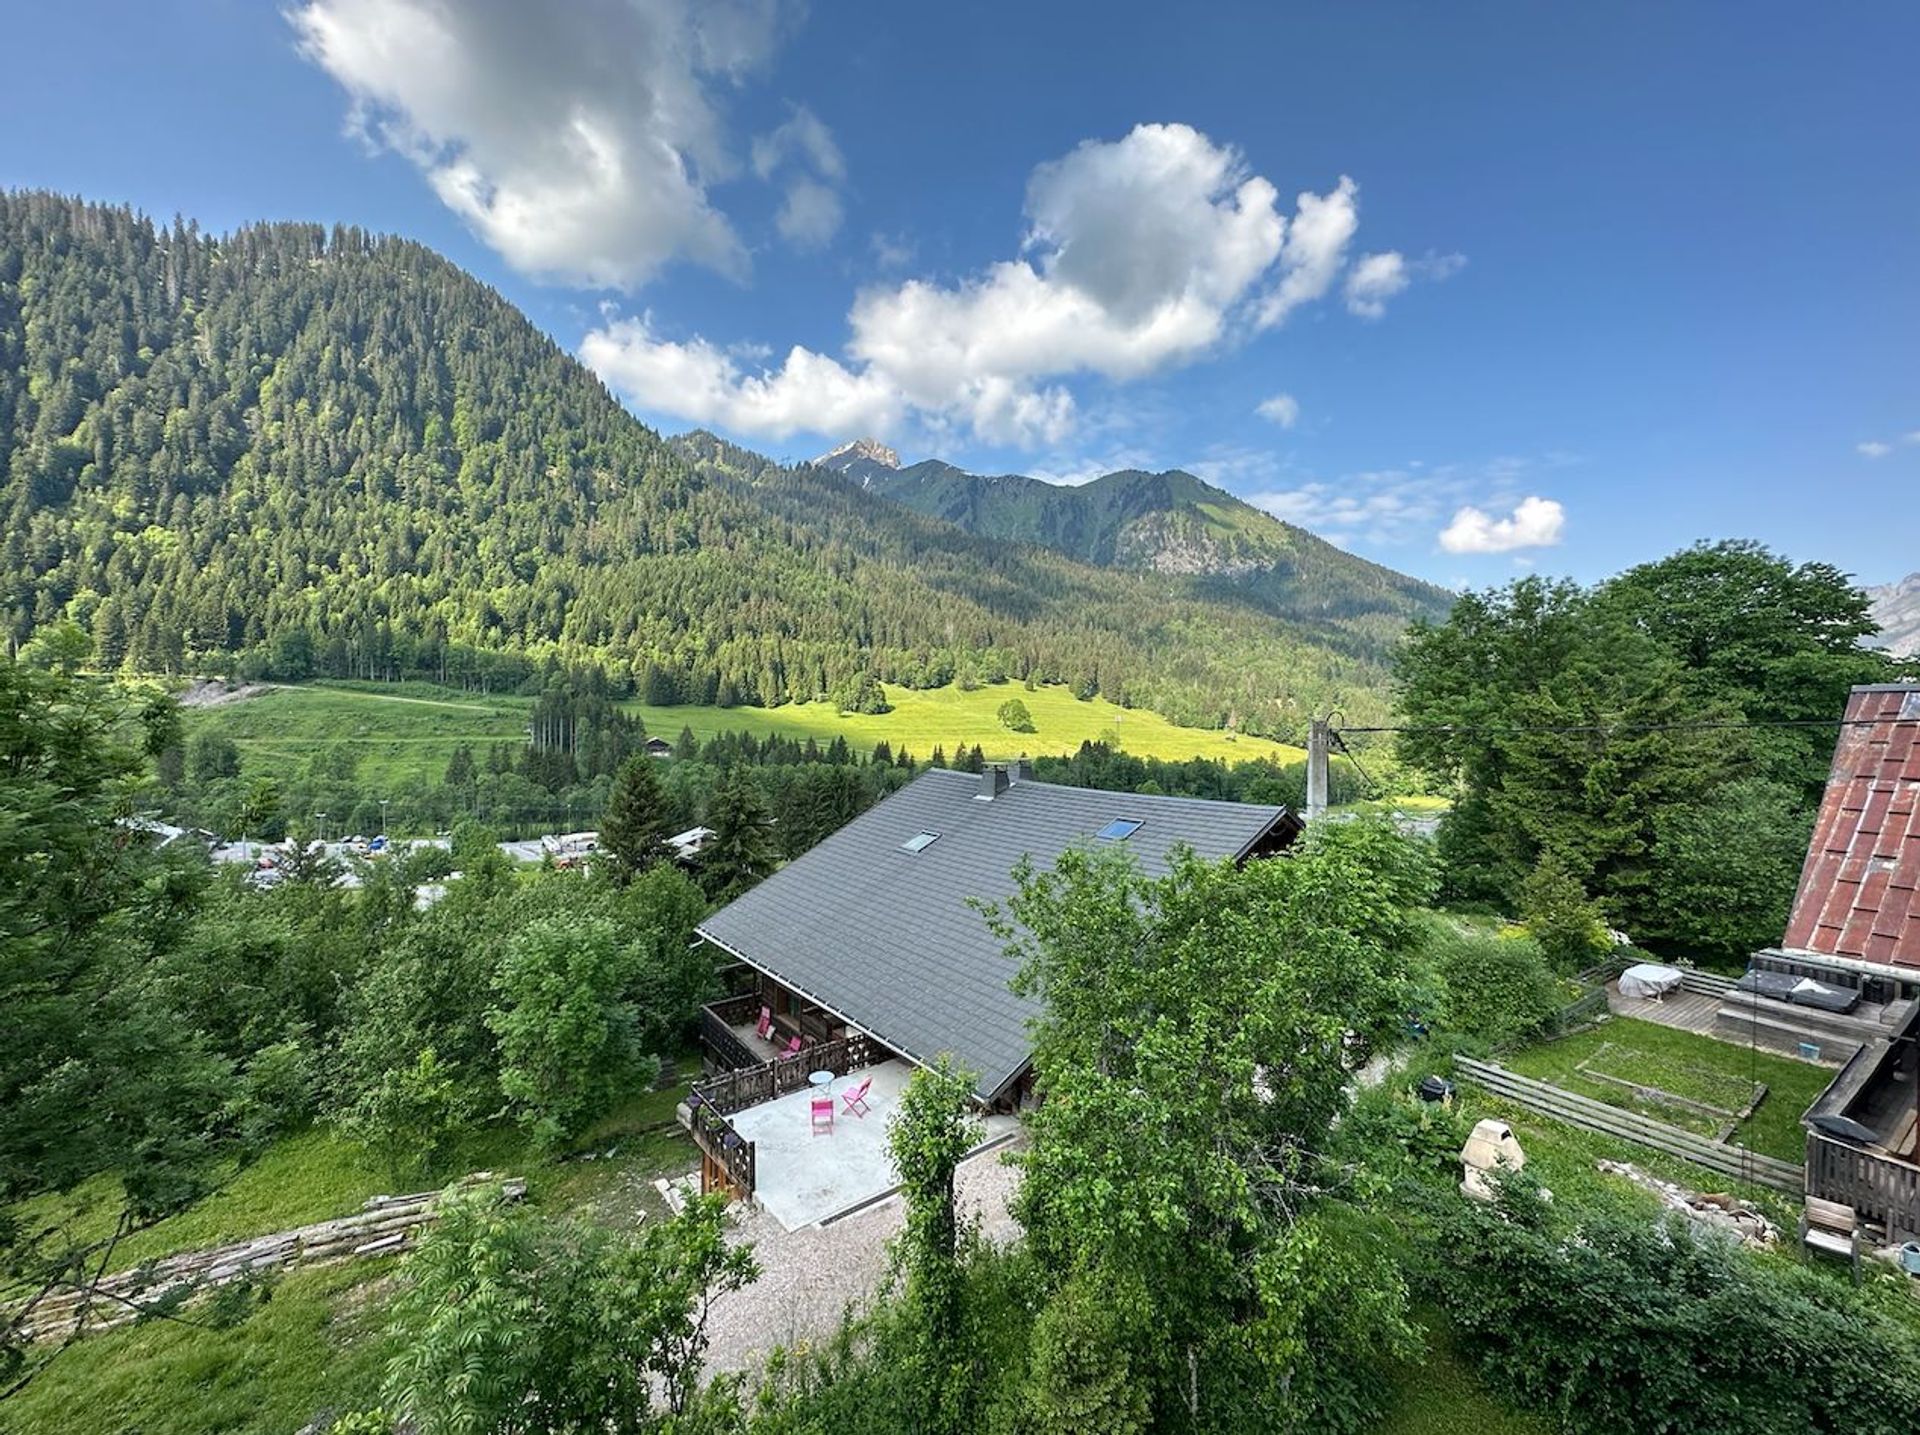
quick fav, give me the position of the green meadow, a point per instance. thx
(404, 730)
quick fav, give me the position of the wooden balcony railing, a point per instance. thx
(717, 1034)
(737, 1089)
(723, 1147)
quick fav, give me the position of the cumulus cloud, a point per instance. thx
(577, 140)
(1139, 254)
(1323, 226)
(804, 150)
(1283, 409)
(1534, 523)
(1873, 448)
(1376, 278)
(705, 384)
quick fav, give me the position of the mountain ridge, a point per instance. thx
(1170, 522)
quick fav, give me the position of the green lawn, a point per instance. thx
(313, 1345)
(1685, 1064)
(397, 731)
(317, 1344)
(405, 730)
(1442, 1395)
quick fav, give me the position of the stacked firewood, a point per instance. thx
(386, 1225)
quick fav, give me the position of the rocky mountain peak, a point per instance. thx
(848, 454)
(1896, 608)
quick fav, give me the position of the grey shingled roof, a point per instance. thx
(886, 938)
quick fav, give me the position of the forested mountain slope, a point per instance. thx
(1170, 523)
(297, 450)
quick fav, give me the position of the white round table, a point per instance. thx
(821, 1080)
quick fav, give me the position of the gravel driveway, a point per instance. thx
(808, 1277)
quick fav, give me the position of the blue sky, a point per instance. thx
(1470, 289)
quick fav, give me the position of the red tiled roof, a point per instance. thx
(1857, 891)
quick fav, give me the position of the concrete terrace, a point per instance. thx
(803, 1178)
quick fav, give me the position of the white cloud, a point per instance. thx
(810, 215)
(1323, 225)
(1376, 278)
(1913, 437)
(1873, 448)
(702, 383)
(1382, 508)
(891, 251)
(1535, 523)
(1283, 409)
(802, 137)
(804, 149)
(577, 140)
(1140, 254)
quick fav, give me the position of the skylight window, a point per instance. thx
(1118, 830)
(920, 842)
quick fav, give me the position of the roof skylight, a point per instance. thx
(1118, 830)
(920, 842)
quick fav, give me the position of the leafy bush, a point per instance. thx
(1014, 716)
(1612, 1322)
(277, 1092)
(407, 1117)
(1563, 920)
(1499, 989)
(1388, 1127)
(567, 1027)
(511, 1323)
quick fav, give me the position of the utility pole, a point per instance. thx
(1319, 739)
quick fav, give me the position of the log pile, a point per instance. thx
(386, 1225)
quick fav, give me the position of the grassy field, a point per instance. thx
(406, 730)
(1684, 1064)
(318, 1343)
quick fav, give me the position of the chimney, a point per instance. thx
(993, 782)
(1017, 770)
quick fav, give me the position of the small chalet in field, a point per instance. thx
(867, 951)
(657, 747)
(1848, 971)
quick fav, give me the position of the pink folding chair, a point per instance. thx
(822, 1117)
(764, 1027)
(856, 1100)
(793, 1049)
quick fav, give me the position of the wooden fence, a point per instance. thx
(729, 1091)
(1883, 1189)
(1598, 1116)
(717, 1034)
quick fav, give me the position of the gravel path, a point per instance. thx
(810, 1276)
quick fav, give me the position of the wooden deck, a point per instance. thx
(1688, 1011)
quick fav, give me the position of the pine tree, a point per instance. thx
(460, 768)
(741, 850)
(633, 829)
